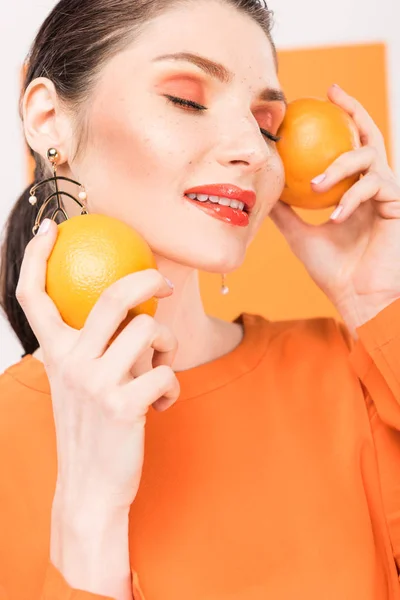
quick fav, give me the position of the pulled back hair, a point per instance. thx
(73, 44)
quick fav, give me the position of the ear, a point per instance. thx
(46, 125)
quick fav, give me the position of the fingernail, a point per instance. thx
(336, 85)
(318, 179)
(44, 227)
(171, 285)
(336, 212)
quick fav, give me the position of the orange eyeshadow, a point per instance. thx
(181, 86)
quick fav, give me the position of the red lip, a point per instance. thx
(233, 216)
(227, 190)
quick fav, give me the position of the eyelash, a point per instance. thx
(190, 104)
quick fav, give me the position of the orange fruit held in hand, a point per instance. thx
(313, 134)
(92, 252)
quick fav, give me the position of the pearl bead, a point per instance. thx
(224, 290)
(82, 195)
(32, 200)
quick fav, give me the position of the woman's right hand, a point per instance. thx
(99, 405)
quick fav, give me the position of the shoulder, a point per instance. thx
(25, 403)
(299, 341)
(318, 331)
(28, 469)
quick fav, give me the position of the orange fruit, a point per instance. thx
(92, 252)
(313, 134)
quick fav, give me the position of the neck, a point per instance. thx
(201, 338)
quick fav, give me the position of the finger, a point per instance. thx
(371, 187)
(158, 387)
(347, 164)
(141, 334)
(370, 133)
(112, 308)
(41, 312)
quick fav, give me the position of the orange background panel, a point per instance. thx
(272, 281)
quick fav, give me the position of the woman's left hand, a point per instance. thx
(355, 258)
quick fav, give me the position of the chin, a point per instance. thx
(214, 258)
(227, 265)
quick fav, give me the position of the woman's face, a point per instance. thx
(145, 150)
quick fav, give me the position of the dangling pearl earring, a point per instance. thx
(224, 287)
(82, 194)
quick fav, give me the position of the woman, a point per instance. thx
(270, 467)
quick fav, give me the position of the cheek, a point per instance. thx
(270, 190)
(274, 180)
(134, 146)
(280, 175)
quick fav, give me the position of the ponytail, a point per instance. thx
(17, 234)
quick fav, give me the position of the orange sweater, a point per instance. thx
(275, 476)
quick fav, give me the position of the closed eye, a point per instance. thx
(198, 107)
(188, 103)
(270, 136)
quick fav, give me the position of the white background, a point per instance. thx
(299, 23)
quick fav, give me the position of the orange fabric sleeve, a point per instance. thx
(376, 359)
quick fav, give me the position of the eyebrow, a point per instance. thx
(218, 71)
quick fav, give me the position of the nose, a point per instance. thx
(242, 145)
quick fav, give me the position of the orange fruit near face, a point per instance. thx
(314, 134)
(92, 252)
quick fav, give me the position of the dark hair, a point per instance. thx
(71, 47)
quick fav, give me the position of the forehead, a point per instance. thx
(216, 30)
